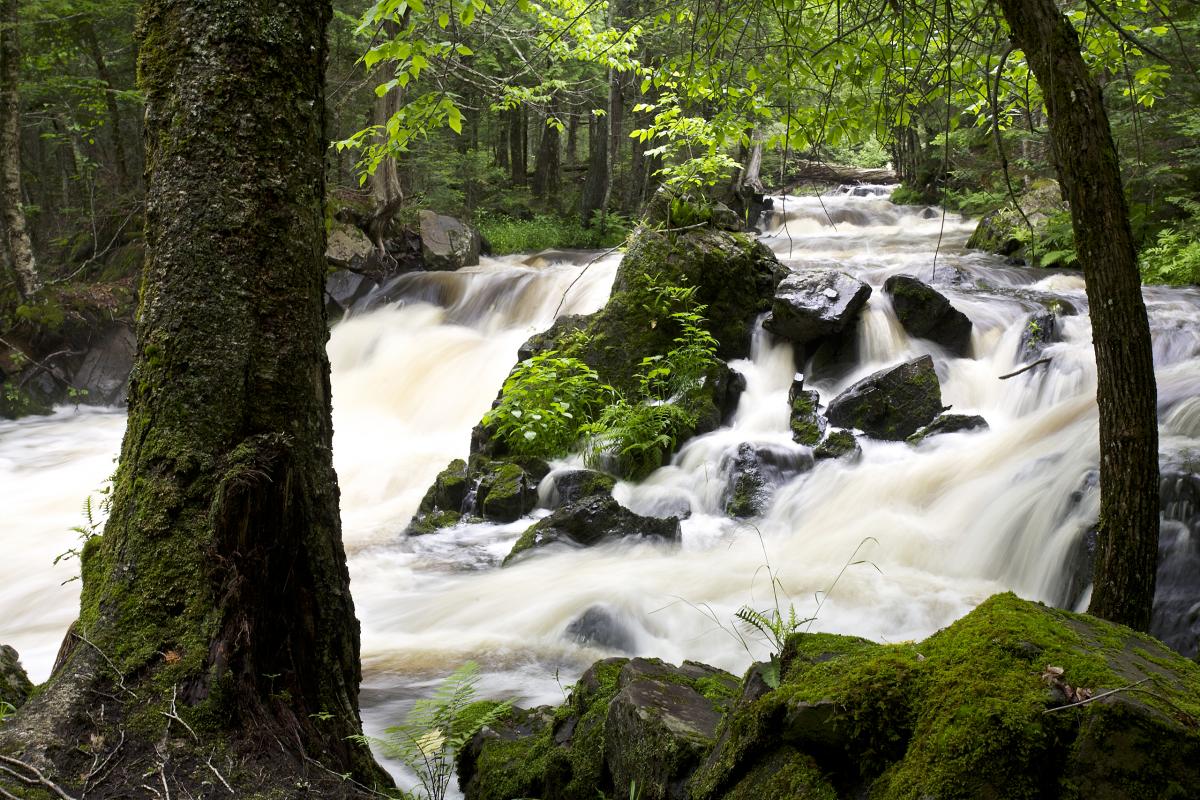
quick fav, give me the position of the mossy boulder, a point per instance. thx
(572, 485)
(984, 708)
(15, 686)
(591, 521)
(447, 243)
(838, 444)
(1041, 330)
(892, 403)
(949, 423)
(499, 490)
(1005, 232)
(815, 304)
(753, 473)
(925, 313)
(627, 721)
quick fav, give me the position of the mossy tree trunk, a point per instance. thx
(18, 249)
(216, 627)
(1090, 176)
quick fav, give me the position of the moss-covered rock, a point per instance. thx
(926, 313)
(15, 686)
(592, 521)
(1005, 232)
(838, 444)
(577, 484)
(754, 472)
(626, 722)
(980, 709)
(892, 403)
(815, 304)
(483, 488)
(807, 424)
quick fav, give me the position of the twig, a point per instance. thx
(98, 772)
(1097, 697)
(1025, 368)
(41, 778)
(567, 291)
(220, 777)
(174, 715)
(111, 665)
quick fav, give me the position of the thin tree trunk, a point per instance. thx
(216, 628)
(386, 186)
(516, 146)
(16, 232)
(572, 139)
(111, 105)
(598, 183)
(1123, 587)
(546, 178)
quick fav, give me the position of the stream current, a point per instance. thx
(943, 525)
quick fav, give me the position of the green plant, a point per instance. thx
(638, 436)
(7, 709)
(94, 515)
(545, 402)
(437, 727)
(1174, 259)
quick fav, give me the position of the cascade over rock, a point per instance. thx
(949, 423)
(592, 521)
(891, 403)
(755, 471)
(815, 304)
(573, 485)
(927, 314)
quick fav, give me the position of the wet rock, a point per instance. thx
(15, 686)
(949, 423)
(592, 521)
(814, 304)
(447, 243)
(755, 471)
(926, 314)
(808, 426)
(890, 404)
(726, 219)
(599, 626)
(343, 289)
(838, 444)
(1176, 616)
(660, 724)
(103, 375)
(570, 486)
(499, 490)
(347, 247)
(1005, 232)
(1040, 331)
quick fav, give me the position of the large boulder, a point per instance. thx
(103, 374)
(754, 472)
(1014, 700)
(926, 313)
(592, 521)
(447, 243)
(15, 686)
(890, 404)
(627, 723)
(1005, 232)
(815, 304)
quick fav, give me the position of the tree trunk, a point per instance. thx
(598, 182)
(546, 178)
(516, 145)
(386, 187)
(19, 256)
(216, 628)
(111, 105)
(1123, 588)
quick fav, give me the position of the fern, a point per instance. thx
(437, 728)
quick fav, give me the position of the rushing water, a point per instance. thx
(942, 525)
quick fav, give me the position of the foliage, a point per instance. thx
(1174, 259)
(94, 515)
(546, 400)
(438, 727)
(544, 232)
(637, 435)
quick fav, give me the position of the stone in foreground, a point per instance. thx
(592, 521)
(925, 313)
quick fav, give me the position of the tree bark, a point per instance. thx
(1086, 158)
(216, 627)
(386, 186)
(517, 149)
(546, 173)
(18, 246)
(598, 183)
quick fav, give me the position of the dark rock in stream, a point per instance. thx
(838, 444)
(592, 521)
(815, 304)
(925, 313)
(892, 403)
(15, 686)
(570, 486)
(949, 423)
(755, 471)
(807, 424)
(483, 488)
(600, 627)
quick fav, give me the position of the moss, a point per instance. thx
(806, 426)
(787, 773)
(525, 542)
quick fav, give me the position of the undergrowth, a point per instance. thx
(508, 235)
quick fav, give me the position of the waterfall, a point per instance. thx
(939, 526)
